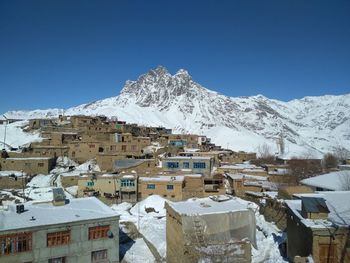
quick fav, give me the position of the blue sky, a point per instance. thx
(64, 53)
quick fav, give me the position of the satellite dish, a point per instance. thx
(110, 234)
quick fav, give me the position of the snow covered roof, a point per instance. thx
(163, 178)
(203, 206)
(127, 163)
(45, 213)
(335, 181)
(337, 203)
(239, 176)
(14, 173)
(188, 158)
(239, 166)
(30, 158)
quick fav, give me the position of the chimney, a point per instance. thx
(59, 198)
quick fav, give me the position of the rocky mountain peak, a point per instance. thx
(159, 88)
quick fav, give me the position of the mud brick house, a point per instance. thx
(169, 187)
(202, 165)
(318, 225)
(29, 165)
(13, 180)
(216, 229)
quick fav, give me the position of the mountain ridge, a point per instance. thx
(312, 125)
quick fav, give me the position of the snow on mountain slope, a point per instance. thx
(312, 125)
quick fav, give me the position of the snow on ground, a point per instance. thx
(153, 227)
(138, 252)
(15, 136)
(41, 181)
(73, 190)
(9, 198)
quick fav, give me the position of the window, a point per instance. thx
(186, 165)
(133, 147)
(199, 165)
(100, 255)
(170, 187)
(15, 243)
(58, 238)
(57, 260)
(127, 183)
(151, 186)
(172, 165)
(40, 164)
(27, 164)
(124, 148)
(90, 183)
(91, 146)
(113, 148)
(98, 232)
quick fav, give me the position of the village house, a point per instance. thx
(238, 157)
(194, 186)
(13, 179)
(120, 187)
(138, 166)
(29, 165)
(216, 229)
(237, 168)
(239, 183)
(202, 165)
(169, 187)
(76, 230)
(318, 225)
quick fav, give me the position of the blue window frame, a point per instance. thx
(186, 165)
(170, 187)
(151, 186)
(199, 165)
(172, 165)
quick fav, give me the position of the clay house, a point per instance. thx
(169, 187)
(138, 166)
(214, 185)
(40, 123)
(29, 165)
(194, 186)
(121, 187)
(238, 184)
(216, 229)
(238, 157)
(201, 165)
(287, 192)
(318, 225)
(83, 151)
(13, 180)
(76, 230)
(39, 150)
(236, 168)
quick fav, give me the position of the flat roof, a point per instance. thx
(45, 213)
(332, 181)
(163, 178)
(203, 206)
(14, 173)
(187, 158)
(29, 158)
(246, 176)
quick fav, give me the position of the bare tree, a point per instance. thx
(329, 161)
(303, 168)
(341, 153)
(265, 155)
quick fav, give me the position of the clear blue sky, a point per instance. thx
(64, 53)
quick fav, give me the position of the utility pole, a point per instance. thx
(24, 197)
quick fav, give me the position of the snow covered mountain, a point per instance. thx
(309, 126)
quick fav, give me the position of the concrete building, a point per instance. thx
(77, 230)
(29, 165)
(318, 225)
(169, 187)
(198, 165)
(217, 229)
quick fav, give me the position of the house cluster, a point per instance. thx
(205, 221)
